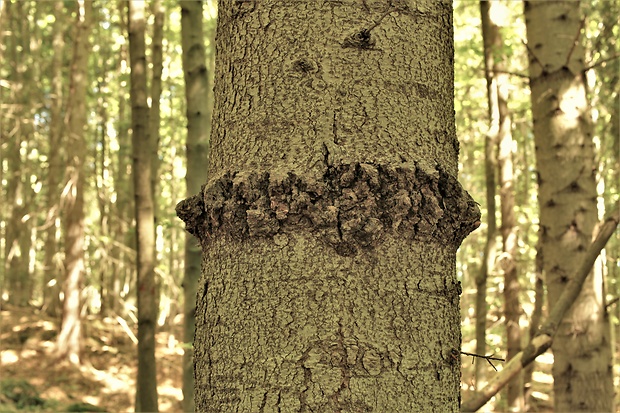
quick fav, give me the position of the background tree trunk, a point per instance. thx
(69, 338)
(155, 113)
(123, 211)
(17, 244)
(582, 369)
(490, 38)
(330, 223)
(146, 398)
(154, 125)
(199, 109)
(508, 264)
(53, 269)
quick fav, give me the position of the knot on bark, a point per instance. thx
(351, 206)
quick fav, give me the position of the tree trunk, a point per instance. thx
(535, 320)
(53, 276)
(154, 123)
(582, 369)
(199, 109)
(17, 243)
(69, 338)
(330, 223)
(155, 113)
(146, 398)
(490, 38)
(123, 186)
(498, 86)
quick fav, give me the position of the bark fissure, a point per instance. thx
(351, 207)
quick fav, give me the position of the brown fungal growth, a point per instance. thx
(353, 206)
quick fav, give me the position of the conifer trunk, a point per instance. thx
(330, 222)
(69, 338)
(197, 148)
(53, 271)
(146, 397)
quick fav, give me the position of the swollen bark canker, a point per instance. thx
(351, 207)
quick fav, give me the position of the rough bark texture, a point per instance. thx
(199, 109)
(330, 223)
(146, 399)
(69, 338)
(582, 369)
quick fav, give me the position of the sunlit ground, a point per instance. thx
(106, 380)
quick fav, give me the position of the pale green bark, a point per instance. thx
(582, 368)
(330, 222)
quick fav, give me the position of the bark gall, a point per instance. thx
(352, 206)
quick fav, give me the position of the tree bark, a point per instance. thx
(489, 36)
(146, 398)
(582, 369)
(17, 242)
(199, 109)
(535, 320)
(69, 338)
(123, 212)
(499, 103)
(330, 222)
(155, 113)
(53, 269)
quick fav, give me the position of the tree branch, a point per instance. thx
(600, 62)
(487, 358)
(575, 42)
(544, 338)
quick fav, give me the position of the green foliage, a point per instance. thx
(23, 394)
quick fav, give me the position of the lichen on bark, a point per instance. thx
(351, 206)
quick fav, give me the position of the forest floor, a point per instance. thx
(30, 379)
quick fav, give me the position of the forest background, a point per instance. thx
(49, 49)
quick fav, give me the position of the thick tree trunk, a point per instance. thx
(199, 110)
(146, 398)
(69, 338)
(330, 223)
(582, 369)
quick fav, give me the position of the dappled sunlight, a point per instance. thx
(107, 377)
(8, 357)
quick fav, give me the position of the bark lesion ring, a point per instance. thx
(351, 206)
